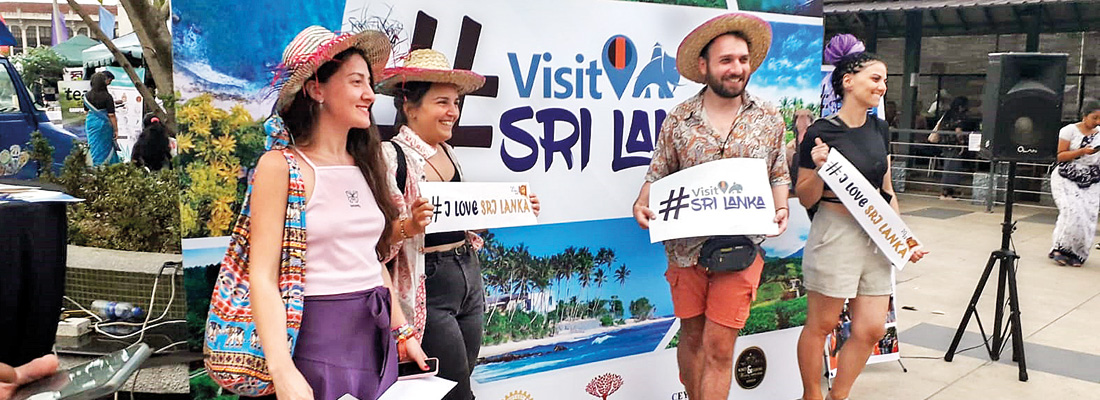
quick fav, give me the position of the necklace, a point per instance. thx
(437, 173)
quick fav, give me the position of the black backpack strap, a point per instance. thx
(402, 168)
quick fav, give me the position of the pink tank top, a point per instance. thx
(343, 225)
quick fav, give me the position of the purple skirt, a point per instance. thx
(345, 345)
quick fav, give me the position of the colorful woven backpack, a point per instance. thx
(232, 352)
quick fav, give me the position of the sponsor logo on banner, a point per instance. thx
(477, 205)
(873, 213)
(518, 395)
(690, 203)
(750, 368)
(682, 395)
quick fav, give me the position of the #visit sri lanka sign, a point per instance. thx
(730, 196)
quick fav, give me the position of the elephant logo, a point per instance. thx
(660, 72)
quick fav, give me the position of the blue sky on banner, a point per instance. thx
(793, 66)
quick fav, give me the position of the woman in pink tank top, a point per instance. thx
(349, 330)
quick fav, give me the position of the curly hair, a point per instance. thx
(851, 64)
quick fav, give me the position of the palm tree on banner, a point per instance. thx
(583, 264)
(621, 274)
(599, 277)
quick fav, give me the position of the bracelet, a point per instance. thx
(402, 223)
(781, 208)
(403, 333)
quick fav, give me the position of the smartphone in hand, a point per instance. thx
(411, 370)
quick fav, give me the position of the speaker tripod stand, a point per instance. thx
(1006, 261)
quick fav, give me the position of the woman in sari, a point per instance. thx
(1074, 186)
(100, 124)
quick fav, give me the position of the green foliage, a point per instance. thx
(198, 285)
(125, 207)
(675, 342)
(214, 147)
(769, 292)
(42, 155)
(791, 313)
(607, 320)
(640, 309)
(40, 66)
(202, 387)
(515, 325)
(761, 320)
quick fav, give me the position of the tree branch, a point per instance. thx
(148, 97)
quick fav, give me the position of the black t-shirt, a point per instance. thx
(865, 146)
(101, 100)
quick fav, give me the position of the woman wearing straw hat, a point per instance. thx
(426, 92)
(345, 344)
(841, 262)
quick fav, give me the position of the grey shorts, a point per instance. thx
(841, 261)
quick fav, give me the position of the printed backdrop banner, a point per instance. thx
(722, 197)
(477, 205)
(577, 306)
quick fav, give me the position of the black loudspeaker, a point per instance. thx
(1022, 108)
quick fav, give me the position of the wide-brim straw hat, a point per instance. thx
(316, 45)
(756, 30)
(427, 65)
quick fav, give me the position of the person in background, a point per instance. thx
(12, 378)
(802, 119)
(948, 131)
(100, 125)
(1073, 183)
(153, 148)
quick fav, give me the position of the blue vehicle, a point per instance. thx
(19, 116)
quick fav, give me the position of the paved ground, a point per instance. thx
(1059, 307)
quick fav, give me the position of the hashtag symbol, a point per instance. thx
(669, 207)
(436, 207)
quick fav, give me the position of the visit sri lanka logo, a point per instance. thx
(549, 76)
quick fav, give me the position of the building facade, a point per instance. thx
(30, 21)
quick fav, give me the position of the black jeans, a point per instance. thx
(456, 314)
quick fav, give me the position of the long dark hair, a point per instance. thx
(364, 145)
(851, 64)
(98, 95)
(152, 148)
(408, 93)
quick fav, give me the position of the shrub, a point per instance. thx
(125, 207)
(42, 155)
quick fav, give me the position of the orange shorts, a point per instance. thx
(724, 297)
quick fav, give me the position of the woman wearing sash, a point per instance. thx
(100, 125)
(841, 262)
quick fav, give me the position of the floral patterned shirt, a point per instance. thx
(687, 139)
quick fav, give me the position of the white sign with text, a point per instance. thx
(463, 206)
(723, 197)
(873, 213)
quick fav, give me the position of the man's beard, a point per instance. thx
(715, 85)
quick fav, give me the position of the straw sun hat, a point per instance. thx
(427, 65)
(315, 46)
(756, 30)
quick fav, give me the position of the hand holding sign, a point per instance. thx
(918, 254)
(820, 152)
(421, 216)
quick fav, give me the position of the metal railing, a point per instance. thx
(923, 166)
